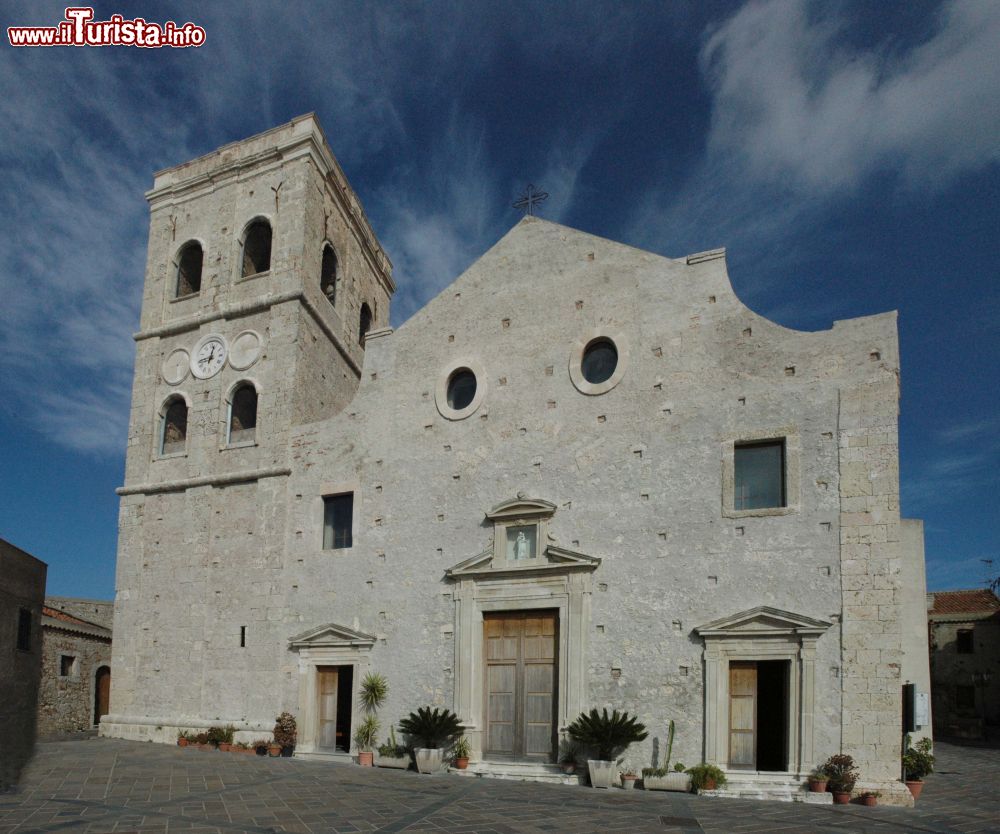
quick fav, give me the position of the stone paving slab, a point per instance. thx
(95, 786)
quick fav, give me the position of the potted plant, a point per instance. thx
(261, 747)
(842, 775)
(818, 780)
(609, 735)
(567, 758)
(662, 778)
(201, 741)
(870, 798)
(435, 729)
(392, 754)
(461, 753)
(365, 737)
(182, 738)
(706, 777)
(918, 762)
(284, 733)
(628, 777)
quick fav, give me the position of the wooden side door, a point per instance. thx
(102, 694)
(520, 654)
(327, 684)
(743, 714)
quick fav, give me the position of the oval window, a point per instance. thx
(599, 361)
(461, 389)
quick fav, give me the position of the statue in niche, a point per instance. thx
(521, 547)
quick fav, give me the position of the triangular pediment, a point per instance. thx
(331, 635)
(521, 508)
(553, 559)
(761, 622)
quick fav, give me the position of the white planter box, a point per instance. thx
(429, 759)
(401, 762)
(602, 773)
(669, 782)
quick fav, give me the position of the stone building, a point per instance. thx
(76, 664)
(583, 475)
(964, 661)
(22, 589)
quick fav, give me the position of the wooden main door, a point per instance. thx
(520, 687)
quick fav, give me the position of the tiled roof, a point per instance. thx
(54, 618)
(976, 601)
(55, 613)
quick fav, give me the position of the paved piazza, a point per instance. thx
(105, 785)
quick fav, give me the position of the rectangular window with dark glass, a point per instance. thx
(338, 511)
(760, 475)
(963, 641)
(24, 630)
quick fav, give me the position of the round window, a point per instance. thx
(599, 361)
(461, 389)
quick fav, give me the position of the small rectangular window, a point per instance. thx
(243, 637)
(965, 698)
(522, 541)
(963, 641)
(67, 666)
(760, 475)
(338, 512)
(24, 630)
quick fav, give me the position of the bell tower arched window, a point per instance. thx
(173, 426)
(257, 248)
(243, 414)
(328, 274)
(189, 269)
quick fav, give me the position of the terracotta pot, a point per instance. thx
(869, 801)
(817, 786)
(225, 746)
(366, 758)
(841, 798)
(182, 742)
(628, 782)
(462, 762)
(274, 750)
(915, 786)
(709, 785)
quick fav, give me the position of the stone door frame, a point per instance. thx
(559, 580)
(762, 634)
(328, 645)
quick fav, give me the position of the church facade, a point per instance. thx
(583, 475)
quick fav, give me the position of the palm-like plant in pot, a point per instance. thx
(434, 729)
(365, 737)
(609, 736)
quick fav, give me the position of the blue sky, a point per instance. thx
(847, 154)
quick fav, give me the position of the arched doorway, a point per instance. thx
(102, 694)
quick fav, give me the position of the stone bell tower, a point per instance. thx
(262, 280)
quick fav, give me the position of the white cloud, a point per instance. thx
(796, 107)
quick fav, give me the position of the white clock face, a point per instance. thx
(209, 357)
(175, 366)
